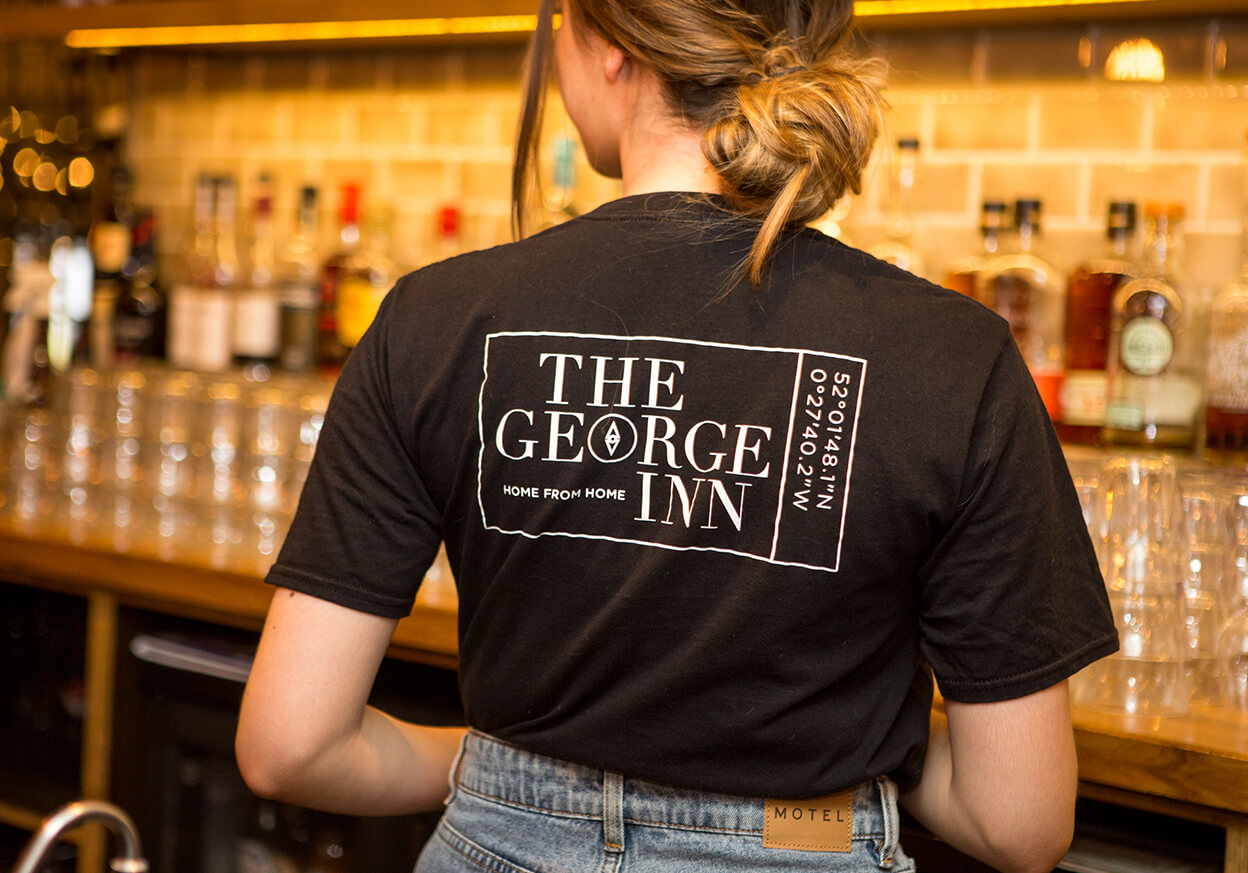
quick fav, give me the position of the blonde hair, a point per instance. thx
(789, 115)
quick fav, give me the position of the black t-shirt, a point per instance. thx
(704, 536)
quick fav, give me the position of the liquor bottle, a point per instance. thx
(331, 352)
(898, 247)
(1089, 302)
(1027, 292)
(139, 318)
(74, 307)
(364, 279)
(111, 237)
(1154, 389)
(217, 327)
(257, 324)
(195, 273)
(961, 274)
(299, 289)
(1226, 380)
(26, 363)
(201, 306)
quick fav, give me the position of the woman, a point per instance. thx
(721, 495)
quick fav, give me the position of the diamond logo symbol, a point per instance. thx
(612, 438)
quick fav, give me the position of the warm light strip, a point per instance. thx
(312, 31)
(300, 31)
(877, 8)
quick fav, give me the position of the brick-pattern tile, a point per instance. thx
(1053, 184)
(1228, 193)
(1195, 117)
(1143, 182)
(1210, 261)
(983, 122)
(1092, 119)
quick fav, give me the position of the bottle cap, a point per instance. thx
(350, 211)
(448, 221)
(1122, 217)
(1027, 212)
(992, 215)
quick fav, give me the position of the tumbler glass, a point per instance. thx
(1139, 519)
(1233, 642)
(77, 402)
(1206, 579)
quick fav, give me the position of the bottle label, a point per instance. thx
(216, 352)
(110, 245)
(1124, 415)
(200, 322)
(184, 308)
(1083, 398)
(1146, 346)
(257, 325)
(1228, 373)
(358, 302)
(300, 296)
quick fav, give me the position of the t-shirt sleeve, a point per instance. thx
(1012, 595)
(366, 529)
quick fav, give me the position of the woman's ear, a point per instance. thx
(616, 63)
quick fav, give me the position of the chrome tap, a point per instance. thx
(69, 817)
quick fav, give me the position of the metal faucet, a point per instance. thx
(70, 816)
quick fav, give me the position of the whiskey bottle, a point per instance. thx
(298, 288)
(1089, 301)
(898, 246)
(111, 237)
(1027, 292)
(201, 307)
(1226, 379)
(331, 352)
(961, 274)
(257, 326)
(1154, 394)
(364, 279)
(139, 317)
(194, 274)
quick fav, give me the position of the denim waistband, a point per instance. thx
(493, 769)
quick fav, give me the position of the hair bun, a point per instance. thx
(791, 124)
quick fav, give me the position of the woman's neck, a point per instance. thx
(660, 153)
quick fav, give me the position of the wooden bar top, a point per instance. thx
(1197, 763)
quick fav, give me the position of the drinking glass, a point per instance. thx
(1140, 523)
(77, 402)
(1206, 579)
(1233, 641)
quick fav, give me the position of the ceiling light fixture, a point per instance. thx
(296, 31)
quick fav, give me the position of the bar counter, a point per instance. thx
(1192, 767)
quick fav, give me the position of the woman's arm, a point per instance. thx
(306, 734)
(999, 780)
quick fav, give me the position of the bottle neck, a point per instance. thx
(992, 240)
(1161, 248)
(1028, 237)
(901, 206)
(349, 234)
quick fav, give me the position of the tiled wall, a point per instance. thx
(1000, 114)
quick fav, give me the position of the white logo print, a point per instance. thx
(651, 441)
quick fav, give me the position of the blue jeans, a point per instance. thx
(512, 811)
